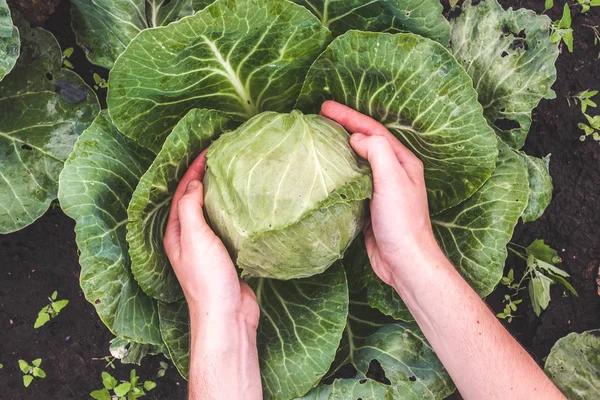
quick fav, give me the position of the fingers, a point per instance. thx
(189, 209)
(355, 122)
(378, 151)
(173, 231)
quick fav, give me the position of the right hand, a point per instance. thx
(400, 229)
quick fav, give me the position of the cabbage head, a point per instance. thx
(286, 193)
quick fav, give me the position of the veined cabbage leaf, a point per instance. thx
(423, 17)
(574, 365)
(540, 186)
(148, 210)
(511, 59)
(240, 57)
(301, 325)
(43, 109)
(97, 183)
(104, 28)
(9, 41)
(414, 87)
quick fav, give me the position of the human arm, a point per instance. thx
(223, 309)
(483, 359)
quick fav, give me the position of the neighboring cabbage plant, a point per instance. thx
(285, 191)
(574, 365)
(43, 109)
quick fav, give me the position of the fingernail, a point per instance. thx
(358, 137)
(192, 185)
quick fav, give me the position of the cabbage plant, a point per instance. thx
(250, 76)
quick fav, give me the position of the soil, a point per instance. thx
(43, 257)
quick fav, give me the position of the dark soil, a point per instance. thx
(43, 257)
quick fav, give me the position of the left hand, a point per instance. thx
(199, 258)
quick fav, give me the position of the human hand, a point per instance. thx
(199, 258)
(400, 228)
(224, 312)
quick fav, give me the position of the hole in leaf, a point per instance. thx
(504, 54)
(49, 76)
(519, 43)
(408, 14)
(362, 381)
(377, 373)
(165, 3)
(343, 196)
(507, 124)
(26, 147)
(522, 34)
(475, 2)
(412, 378)
(97, 301)
(502, 109)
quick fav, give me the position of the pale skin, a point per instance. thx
(483, 359)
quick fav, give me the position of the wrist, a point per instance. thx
(418, 265)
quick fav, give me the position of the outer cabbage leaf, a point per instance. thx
(9, 41)
(417, 90)
(344, 389)
(399, 348)
(299, 331)
(43, 109)
(104, 28)
(238, 56)
(151, 201)
(511, 59)
(540, 186)
(175, 331)
(474, 234)
(301, 325)
(95, 188)
(423, 17)
(574, 365)
(286, 193)
(129, 352)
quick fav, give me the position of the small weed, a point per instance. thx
(162, 370)
(100, 82)
(50, 311)
(30, 372)
(592, 128)
(123, 390)
(561, 30)
(110, 361)
(596, 30)
(67, 53)
(541, 272)
(587, 4)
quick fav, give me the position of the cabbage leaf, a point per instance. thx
(423, 17)
(148, 210)
(574, 365)
(43, 109)
(9, 41)
(540, 186)
(511, 59)
(104, 28)
(416, 89)
(97, 182)
(240, 57)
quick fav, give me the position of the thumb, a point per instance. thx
(189, 208)
(378, 151)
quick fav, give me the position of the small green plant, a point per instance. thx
(99, 82)
(584, 99)
(51, 310)
(123, 390)
(593, 129)
(548, 5)
(162, 370)
(30, 372)
(587, 4)
(67, 53)
(561, 30)
(110, 361)
(540, 274)
(1, 366)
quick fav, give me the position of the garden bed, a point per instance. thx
(43, 257)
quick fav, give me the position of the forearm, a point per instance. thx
(224, 358)
(483, 359)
